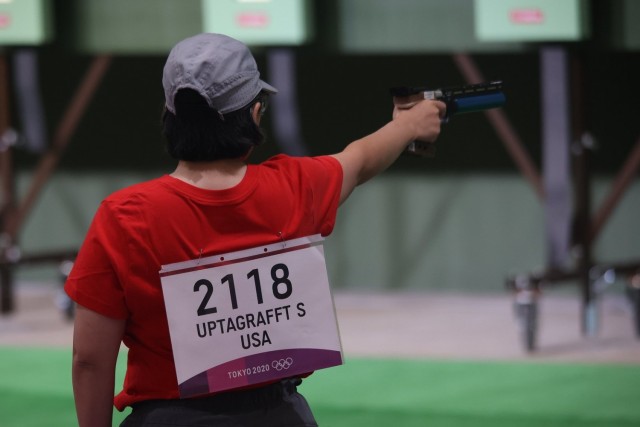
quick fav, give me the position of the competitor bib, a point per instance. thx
(250, 316)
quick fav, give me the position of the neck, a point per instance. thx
(216, 175)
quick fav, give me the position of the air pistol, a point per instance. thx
(458, 99)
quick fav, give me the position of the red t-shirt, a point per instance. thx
(138, 229)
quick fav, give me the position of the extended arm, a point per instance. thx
(96, 342)
(366, 157)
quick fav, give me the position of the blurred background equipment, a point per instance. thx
(27, 22)
(521, 180)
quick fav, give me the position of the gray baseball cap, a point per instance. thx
(219, 67)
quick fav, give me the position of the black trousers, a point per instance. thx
(275, 405)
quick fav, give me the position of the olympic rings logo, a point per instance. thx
(282, 364)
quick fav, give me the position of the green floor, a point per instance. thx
(35, 390)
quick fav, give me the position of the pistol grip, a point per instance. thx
(421, 149)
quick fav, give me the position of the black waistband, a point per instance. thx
(232, 401)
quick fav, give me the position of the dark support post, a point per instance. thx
(7, 195)
(584, 256)
(582, 152)
(6, 282)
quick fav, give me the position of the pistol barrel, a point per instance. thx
(460, 99)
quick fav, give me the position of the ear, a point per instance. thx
(255, 112)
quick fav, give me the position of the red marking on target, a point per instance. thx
(526, 16)
(5, 21)
(252, 20)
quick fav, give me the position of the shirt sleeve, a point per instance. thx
(93, 281)
(324, 176)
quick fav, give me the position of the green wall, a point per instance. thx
(462, 232)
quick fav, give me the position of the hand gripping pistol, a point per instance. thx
(459, 99)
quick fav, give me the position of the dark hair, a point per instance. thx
(197, 133)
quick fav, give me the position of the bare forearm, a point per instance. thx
(93, 388)
(379, 150)
(366, 157)
(96, 342)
